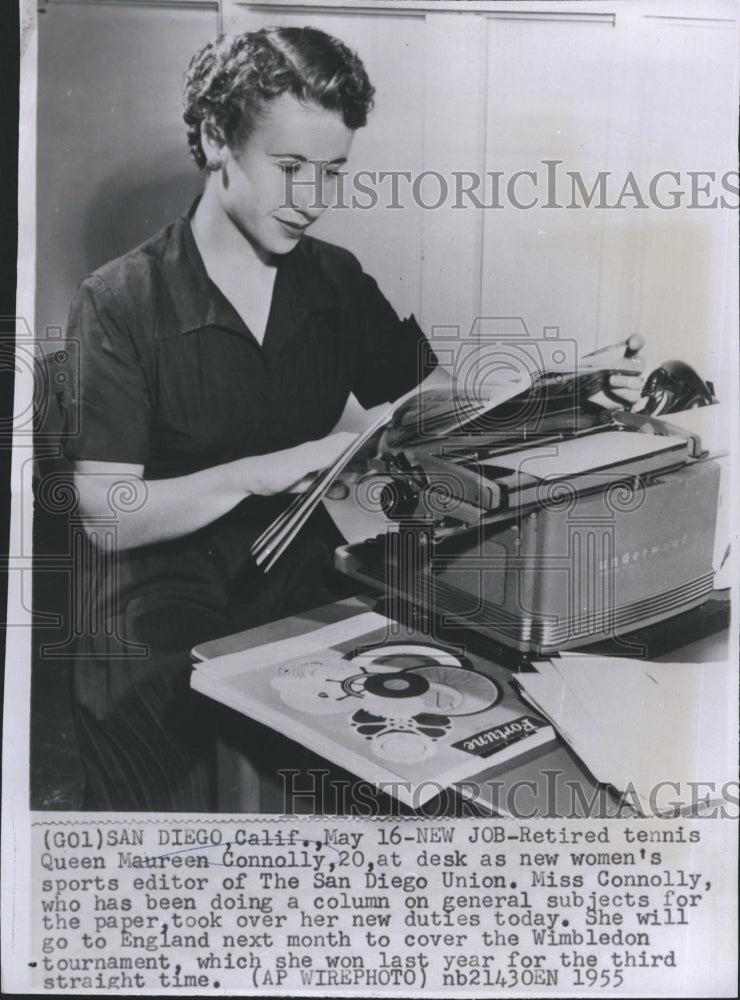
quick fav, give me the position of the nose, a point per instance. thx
(310, 192)
(311, 204)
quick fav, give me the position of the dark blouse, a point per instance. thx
(171, 378)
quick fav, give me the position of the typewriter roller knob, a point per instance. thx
(398, 498)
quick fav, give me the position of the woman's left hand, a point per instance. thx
(625, 385)
(627, 388)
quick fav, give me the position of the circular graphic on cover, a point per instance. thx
(404, 684)
(429, 679)
(400, 697)
(408, 746)
(313, 683)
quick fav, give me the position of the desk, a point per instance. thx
(549, 781)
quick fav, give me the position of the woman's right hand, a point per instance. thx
(157, 510)
(290, 470)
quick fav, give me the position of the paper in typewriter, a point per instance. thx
(569, 458)
(410, 717)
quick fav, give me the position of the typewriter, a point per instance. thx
(546, 522)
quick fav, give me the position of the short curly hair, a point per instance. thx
(230, 82)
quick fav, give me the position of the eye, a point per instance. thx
(289, 166)
(332, 171)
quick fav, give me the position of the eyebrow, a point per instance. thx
(304, 159)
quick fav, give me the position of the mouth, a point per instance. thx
(294, 229)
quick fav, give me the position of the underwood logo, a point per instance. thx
(641, 555)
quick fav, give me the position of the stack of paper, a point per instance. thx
(639, 725)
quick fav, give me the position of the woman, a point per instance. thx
(216, 359)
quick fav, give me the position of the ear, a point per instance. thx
(214, 144)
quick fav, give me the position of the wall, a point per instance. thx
(599, 85)
(620, 86)
(113, 165)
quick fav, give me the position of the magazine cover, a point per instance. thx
(409, 716)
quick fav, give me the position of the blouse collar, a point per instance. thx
(190, 301)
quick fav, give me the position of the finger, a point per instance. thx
(622, 380)
(629, 395)
(302, 485)
(635, 343)
(337, 491)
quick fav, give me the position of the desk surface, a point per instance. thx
(549, 781)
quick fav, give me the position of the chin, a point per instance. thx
(283, 246)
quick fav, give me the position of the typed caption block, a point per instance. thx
(323, 906)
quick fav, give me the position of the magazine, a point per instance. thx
(409, 716)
